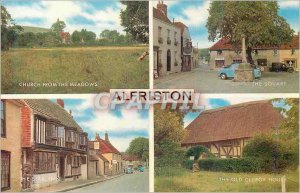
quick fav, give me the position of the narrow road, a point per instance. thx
(137, 182)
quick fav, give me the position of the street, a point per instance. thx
(204, 80)
(137, 182)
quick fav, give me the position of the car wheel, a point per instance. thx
(223, 76)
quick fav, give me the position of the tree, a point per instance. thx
(139, 147)
(9, 31)
(27, 39)
(58, 27)
(168, 126)
(257, 20)
(76, 37)
(110, 35)
(135, 20)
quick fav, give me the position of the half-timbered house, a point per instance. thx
(54, 146)
(225, 131)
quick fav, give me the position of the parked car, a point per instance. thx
(129, 169)
(279, 67)
(228, 72)
(141, 168)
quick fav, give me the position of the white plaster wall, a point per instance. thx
(165, 47)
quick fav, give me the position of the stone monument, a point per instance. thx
(244, 73)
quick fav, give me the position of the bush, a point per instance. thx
(271, 153)
(230, 165)
(170, 154)
(188, 164)
(197, 152)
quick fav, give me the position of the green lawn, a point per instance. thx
(183, 180)
(97, 68)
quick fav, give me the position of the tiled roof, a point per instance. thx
(106, 146)
(233, 122)
(53, 111)
(225, 44)
(161, 16)
(127, 157)
(181, 26)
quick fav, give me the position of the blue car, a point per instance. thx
(228, 72)
(141, 168)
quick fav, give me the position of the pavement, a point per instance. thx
(71, 185)
(136, 182)
(204, 80)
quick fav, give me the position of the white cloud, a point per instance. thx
(288, 3)
(196, 15)
(49, 11)
(121, 143)
(107, 121)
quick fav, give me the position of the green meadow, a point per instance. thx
(183, 180)
(73, 69)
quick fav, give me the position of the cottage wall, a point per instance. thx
(44, 180)
(286, 55)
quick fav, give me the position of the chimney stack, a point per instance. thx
(60, 102)
(106, 136)
(162, 7)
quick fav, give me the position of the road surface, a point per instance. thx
(137, 182)
(204, 80)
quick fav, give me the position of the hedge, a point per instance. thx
(231, 165)
(188, 164)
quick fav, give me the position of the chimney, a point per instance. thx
(162, 7)
(97, 137)
(106, 136)
(60, 102)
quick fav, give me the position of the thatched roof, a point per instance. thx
(233, 122)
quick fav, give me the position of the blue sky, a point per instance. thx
(91, 15)
(213, 102)
(194, 14)
(122, 125)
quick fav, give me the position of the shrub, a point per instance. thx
(271, 153)
(188, 164)
(230, 165)
(197, 151)
(171, 154)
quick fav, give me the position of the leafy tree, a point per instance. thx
(197, 151)
(88, 36)
(9, 31)
(139, 147)
(168, 126)
(111, 35)
(258, 21)
(58, 27)
(27, 39)
(76, 37)
(135, 20)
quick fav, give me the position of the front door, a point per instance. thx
(62, 167)
(168, 60)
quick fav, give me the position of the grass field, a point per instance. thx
(184, 180)
(73, 70)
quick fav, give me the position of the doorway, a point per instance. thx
(168, 60)
(62, 167)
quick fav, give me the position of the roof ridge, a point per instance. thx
(244, 104)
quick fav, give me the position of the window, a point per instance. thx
(168, 33)
(44, 162)
(40, 130)
(159, 31)
(175, 36)
(275, 52)
(3, 116)
(5, 170)
(70, 136)
(61, 136)
(51, 130)
(83, 159)
(82, 140)
(219, 52)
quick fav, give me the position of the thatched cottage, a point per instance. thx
(225, 131)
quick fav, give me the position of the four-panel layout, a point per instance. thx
(61, 129)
